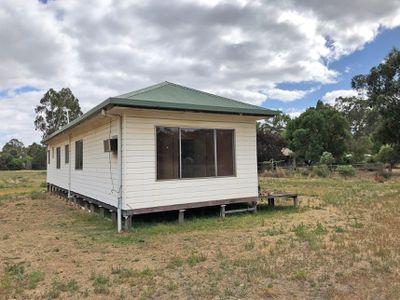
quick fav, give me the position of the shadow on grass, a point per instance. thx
(198, 220)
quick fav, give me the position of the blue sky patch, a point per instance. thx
(359, 62)
(18, 91)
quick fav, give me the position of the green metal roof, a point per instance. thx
(171, 96)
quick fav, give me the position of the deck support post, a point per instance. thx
(91, 207)
(85, 205)
(114, 217)
(101, 211)
(128, 223)
(181, 216)
(254, 204)
(222, 211)
(296, 201)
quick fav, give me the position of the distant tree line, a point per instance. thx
(15, 156)
(354, 130)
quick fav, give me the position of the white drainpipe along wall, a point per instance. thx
(119, 157)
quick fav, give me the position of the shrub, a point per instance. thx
(304, 172)
(346, 170)
(326, 158)
(321, 170)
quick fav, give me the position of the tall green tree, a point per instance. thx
(318, 129)
(13, 155)
(54, 110)
(15, 148)
(270, 138)
(381, 86)
(276, 124)
(360, 116)
(38, 156)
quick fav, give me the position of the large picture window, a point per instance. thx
(193, 153)
(79, 155)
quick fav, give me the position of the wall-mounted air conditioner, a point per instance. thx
(111, 145)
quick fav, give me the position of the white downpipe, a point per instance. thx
(119, 162)
(69, 166)
(119, 208)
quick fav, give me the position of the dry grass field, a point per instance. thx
(342, 243)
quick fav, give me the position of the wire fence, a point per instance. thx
(288, 165)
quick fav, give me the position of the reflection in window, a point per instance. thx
(167, 153)
(197, 152)
(225, 154)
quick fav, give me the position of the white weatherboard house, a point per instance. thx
(162, 148)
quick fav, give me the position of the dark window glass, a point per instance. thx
(79, 155)
(66, 154)
(225, 153)
(167, 153)
(58, 157)
(48, 156)
(197, 153)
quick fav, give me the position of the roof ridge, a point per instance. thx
(214, 95)
(143, 90)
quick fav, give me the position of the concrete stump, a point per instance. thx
(114, 217)
(101, 211)
(222, 211)
(181, 216)
(128, 223)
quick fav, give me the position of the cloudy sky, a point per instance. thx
(281, 54)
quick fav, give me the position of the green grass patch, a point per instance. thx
(58, 286)
(309, 236)
(196, 258)
(175, 262)
(299, 275)
(34, 278)
(101, 284)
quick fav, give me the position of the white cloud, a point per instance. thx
(331, 96)
(287, 95)
(294, 112)
(17, 115)
(236, 48)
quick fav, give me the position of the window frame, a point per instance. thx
(48, 156)
(66, 154)
(78, 168)
(234, 162)
(58, 157)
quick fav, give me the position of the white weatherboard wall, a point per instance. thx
(142, 190)
(94, 180)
